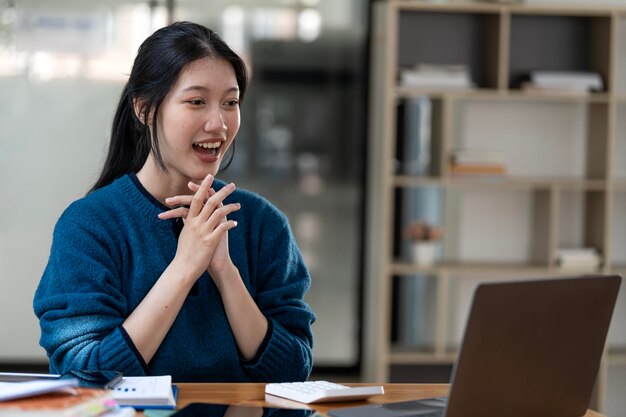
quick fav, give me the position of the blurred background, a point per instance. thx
(63, 64)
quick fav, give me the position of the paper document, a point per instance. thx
(13, 390)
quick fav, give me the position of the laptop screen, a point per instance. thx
(533, 347)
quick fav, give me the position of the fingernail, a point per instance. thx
(235, 222)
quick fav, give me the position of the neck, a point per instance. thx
(160, 184)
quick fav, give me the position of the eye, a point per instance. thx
(196, 102)
(232, 103)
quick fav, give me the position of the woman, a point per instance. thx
(161, 268)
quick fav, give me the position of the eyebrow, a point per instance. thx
(203, 88)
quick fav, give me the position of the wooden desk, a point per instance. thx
(254, 395)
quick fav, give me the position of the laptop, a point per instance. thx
(530, 348)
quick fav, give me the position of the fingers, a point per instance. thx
(185, 200)
(212, 209)
(225, 227)
(179, 200)
(193, 186)
(220, 213)
(197, 200)
(215, 201)
(177, 212)
(212, 193)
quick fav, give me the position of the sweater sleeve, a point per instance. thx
(81, 306)
(283, 280)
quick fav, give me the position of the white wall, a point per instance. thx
(39, 176)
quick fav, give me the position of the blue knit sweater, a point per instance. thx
(108, 250)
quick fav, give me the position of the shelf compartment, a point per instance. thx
(535, 139)
(449, 37)
(583, 223)
(415, 305)
(542, 42)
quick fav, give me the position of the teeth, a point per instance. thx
(212, 145)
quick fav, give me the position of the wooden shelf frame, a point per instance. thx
(496, 58)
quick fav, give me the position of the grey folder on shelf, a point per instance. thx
(531, 348)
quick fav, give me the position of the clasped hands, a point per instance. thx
(203, 241)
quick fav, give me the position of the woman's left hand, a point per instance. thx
(221, 261)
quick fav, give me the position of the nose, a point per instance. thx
(215, 121)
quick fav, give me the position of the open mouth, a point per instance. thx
(208, 148)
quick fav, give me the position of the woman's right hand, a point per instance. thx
(204, 226)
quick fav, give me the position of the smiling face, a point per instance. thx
(198, 120)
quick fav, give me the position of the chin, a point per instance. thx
(201, 174)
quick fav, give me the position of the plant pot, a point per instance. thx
(424, 253)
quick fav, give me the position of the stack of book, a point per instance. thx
(61, 398)
(578, 259)
(477, 162)
(45, 395)
(564, 82)
(436, 77)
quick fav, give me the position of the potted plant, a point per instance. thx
(425, 238)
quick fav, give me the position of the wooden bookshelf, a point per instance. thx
(499, 44)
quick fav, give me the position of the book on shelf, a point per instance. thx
(477, 162)
(477, 169)
(83, 402)
(580, 259)
(436, 76)
(564, 82)
(146, 392)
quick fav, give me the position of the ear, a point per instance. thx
(139, 106)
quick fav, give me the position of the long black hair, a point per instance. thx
(159, 61)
